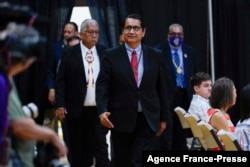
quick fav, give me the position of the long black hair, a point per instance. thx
(245, 103)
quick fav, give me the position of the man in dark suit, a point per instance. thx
(75, 98)
(179, 66)
(132, 98)
(70, 29)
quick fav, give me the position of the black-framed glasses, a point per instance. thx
(175, 34)
(92, 32)
(129, 28)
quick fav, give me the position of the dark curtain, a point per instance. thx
(31, 83)
(191, 14)
(232, 38)
(231, 25)
(109, 14)
(158, 15)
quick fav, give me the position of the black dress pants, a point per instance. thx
(129, 146)
(87, 139)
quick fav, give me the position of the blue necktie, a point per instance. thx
(176, 59)
(179, 73)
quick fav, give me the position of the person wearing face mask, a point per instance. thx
(180, 65)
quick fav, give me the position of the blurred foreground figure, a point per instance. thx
(17, 44)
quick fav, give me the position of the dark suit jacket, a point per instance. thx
(71, 80)
(117, 91)
(190, 65)
(57, 50)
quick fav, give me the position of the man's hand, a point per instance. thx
(51, 96)
(162, 128)
(60, 113)
(105, 121)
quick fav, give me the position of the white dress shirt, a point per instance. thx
(90, 75)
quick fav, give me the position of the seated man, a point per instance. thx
(202, 86)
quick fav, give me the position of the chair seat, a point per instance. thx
(211, 139)
(229, 140)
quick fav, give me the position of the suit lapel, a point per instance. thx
(125, 63)
(79, 60)
(145, 63)
(186, 62)
(169, 60)
(100, 54)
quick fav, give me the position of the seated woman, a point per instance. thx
(242, 130)
(223, 97)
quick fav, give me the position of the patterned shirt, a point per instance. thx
(242, 132)
(199, 106)
(211, 112)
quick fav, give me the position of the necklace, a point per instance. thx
(90, 58)
(178, 68)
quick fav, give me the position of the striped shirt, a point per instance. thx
(242, 132)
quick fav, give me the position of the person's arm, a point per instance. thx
(162, 91)
(51, 73)
(3, 105)
(102, 94)
(27, 129)
(60, 89)
(51, 82)
(218, 121)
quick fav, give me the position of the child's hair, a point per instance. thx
(198, 78)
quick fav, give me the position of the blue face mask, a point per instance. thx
(176, 41)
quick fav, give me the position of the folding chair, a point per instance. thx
(229, 140)
(185, 125)
(197, 133)
(180, 113)
(211, 139)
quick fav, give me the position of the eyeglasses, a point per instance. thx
(176, 33)
(92, 32)
(129, 28)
